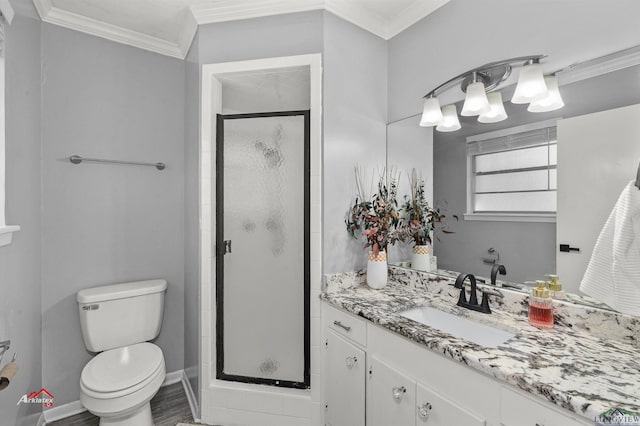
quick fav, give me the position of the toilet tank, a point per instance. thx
(123, 314)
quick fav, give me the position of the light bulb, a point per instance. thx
(497, 112)
(550, 103)
(531, 86)
(431, 114)
(450, 122)
(476, 102)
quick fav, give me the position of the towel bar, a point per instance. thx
(76, 159)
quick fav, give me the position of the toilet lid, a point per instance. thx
(121, 368)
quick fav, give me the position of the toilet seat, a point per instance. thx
(122, 371)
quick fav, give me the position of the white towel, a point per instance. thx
(613, 274)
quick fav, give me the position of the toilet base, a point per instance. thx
(140, 417)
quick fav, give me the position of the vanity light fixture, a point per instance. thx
(540, 91)
(450, 122)
(431, 113)
(531, 86)
(497, 112)
(476, 102)
(553, 101)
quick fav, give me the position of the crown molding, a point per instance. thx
(50, 14)
(231, 10)
(358, 16)
(412, 14)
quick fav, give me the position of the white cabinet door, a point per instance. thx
(345, 383)
(436, 410)
(518, 410)
(391, 396)
(598, 155)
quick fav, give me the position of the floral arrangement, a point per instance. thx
(419, 219)
(375, 217)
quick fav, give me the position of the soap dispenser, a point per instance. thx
(555, 287)
(540, 306)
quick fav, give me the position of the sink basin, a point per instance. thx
(461, 327)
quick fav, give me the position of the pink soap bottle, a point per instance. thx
(540, 306)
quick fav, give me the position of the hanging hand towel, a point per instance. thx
(613, 274)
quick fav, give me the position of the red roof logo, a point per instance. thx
(40, 393)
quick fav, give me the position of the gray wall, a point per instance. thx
(20, 262)
(354, 101)
(191, 219)
(271, 36)
(103, 224)
(419, 61)
(355, 116)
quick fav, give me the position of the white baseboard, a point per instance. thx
(62, 411)
(75, 407)
(191, 397)
(172, 378)
(40, 420)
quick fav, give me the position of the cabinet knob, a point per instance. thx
(398, 393)
(424, 411)
(351, 361)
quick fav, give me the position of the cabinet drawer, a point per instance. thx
(346, 325)
(518, 410)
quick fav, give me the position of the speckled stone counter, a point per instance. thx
(588, 363)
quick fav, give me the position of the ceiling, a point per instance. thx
(168, 26)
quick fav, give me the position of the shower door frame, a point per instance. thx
(220, 252)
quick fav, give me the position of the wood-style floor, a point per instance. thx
(169, 407)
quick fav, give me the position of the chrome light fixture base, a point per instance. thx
(491, 77)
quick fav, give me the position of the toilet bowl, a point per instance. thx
(118, 384)
(117, 321)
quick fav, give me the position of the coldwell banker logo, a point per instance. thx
(618, 416)
(41, 397)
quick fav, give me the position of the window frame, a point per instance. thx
(470, 214)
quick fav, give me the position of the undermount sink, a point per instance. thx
(461, 327)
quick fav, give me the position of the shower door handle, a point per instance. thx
(226, 247)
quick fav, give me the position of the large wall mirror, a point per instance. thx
(530, 248)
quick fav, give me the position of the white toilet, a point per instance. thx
(118, 320)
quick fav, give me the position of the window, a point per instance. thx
(511, 174)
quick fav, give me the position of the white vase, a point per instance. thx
(377, 270)
(421, 258)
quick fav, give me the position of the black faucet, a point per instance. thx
(473, 299)
(494, 272)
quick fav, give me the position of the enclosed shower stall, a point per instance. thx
(262, 258)
(260, 245)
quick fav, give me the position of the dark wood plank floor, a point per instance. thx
(169, 407)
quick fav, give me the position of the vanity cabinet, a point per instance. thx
(518, 410)
(391, 396)
(397, 382)
(434, 409)
(345, 365)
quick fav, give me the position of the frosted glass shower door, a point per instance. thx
(262, 248)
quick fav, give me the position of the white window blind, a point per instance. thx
(513, 171)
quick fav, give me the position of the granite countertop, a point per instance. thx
(571, 365)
